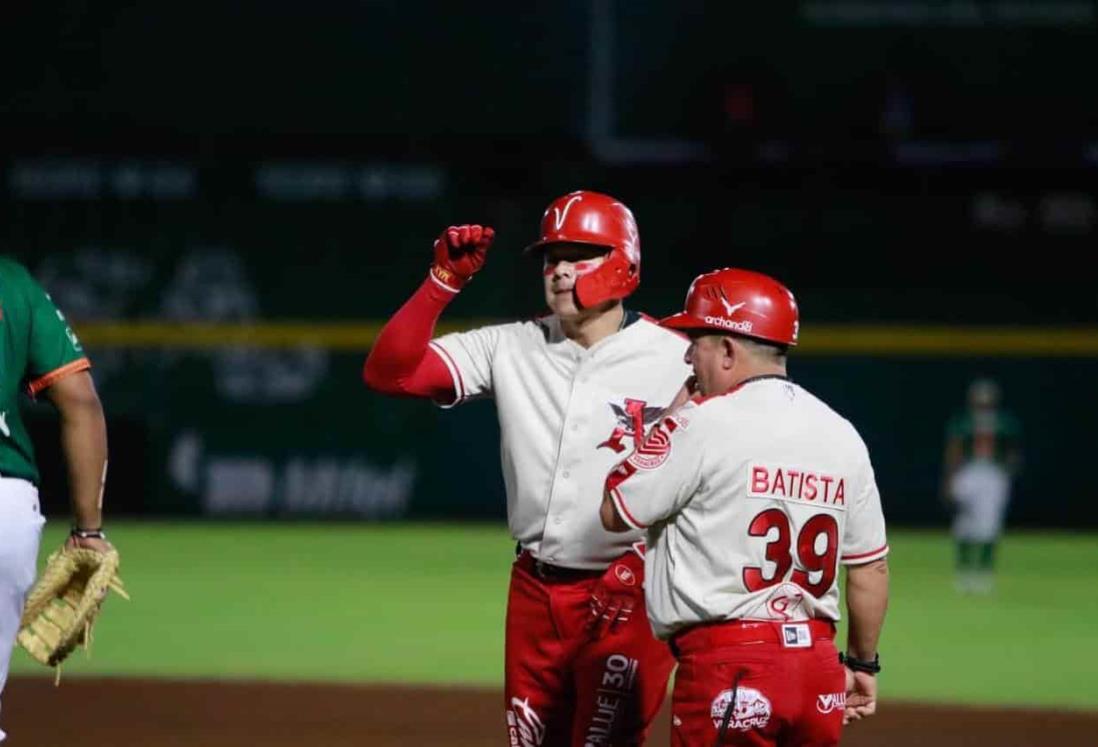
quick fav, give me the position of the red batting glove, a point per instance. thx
(459, 254)
(618, 593)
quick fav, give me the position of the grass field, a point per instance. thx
(425, 604)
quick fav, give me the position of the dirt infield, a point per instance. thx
(156, 713)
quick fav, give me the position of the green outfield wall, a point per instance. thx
(269, 430)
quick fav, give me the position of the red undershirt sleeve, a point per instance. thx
(401, 361)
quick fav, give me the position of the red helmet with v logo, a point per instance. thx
(598, 220)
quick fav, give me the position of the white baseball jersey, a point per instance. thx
(981, 491)
(751, 499)
(567, 415)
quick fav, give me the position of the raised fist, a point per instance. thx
(459, 254)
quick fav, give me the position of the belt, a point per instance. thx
(549, 572)
(707, 636)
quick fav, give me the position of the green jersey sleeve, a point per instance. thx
(36, 349)
(53, 350)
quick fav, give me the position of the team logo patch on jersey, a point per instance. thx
(829, 702)
(656, 448)
(750, 711)
(633, 416)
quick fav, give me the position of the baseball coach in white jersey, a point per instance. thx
(753, 493)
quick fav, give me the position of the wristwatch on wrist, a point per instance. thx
(97, 533)
(861, 665)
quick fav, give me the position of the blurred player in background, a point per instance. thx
(753, 493)
(40, 355)
(982, 455)
(573, 391)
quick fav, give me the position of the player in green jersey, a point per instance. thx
(41, 357)
(982, 455)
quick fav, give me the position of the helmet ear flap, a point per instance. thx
(613, 280)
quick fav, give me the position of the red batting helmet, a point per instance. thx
(739, 302)
(599, 220)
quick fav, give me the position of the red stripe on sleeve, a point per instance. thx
(455, 372)
(47, 380)
(619, 474)
(882, 550)
(619, 504)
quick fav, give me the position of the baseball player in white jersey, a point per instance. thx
(753, 493)
(574, 392)
(982, 456)
(40, 356)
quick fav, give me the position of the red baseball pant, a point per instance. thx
(761, 684)
(564, 689)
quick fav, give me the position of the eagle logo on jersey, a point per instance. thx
(633, 417)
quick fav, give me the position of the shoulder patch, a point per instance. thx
(656, 447)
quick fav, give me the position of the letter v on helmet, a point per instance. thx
(559, 215)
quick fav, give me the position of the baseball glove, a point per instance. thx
(62, 607)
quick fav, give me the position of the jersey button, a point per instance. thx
(557, 520)
(566, 474)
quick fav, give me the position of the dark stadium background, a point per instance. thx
(920, 168)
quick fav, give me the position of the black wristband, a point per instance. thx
(88, 533)
(861, 665)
